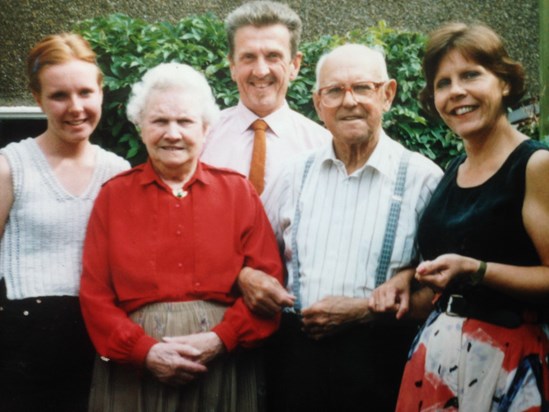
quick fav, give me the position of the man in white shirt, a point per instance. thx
(263, 56)
(345, 218)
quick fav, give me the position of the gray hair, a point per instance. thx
(261, 14)
(376, 54)
(166, 76)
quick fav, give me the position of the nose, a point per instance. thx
(261, 67)
(75, 104)
(349, 98)
(456, 88)
(172, 131)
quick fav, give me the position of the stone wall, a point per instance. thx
(23, 22)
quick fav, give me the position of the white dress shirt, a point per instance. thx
(343, 218)
(230, 142)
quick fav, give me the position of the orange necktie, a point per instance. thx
(257, 166)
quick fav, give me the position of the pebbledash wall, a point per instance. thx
(23, 22)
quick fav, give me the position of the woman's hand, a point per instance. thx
(174, 363)
(438, 273)
(207, 344)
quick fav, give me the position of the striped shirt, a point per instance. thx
(343, 218)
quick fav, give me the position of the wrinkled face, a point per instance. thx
(262, 66)
(353, 122)
(468, 97)
(71, 98)
(173, 130)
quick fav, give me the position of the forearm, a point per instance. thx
(241, 327)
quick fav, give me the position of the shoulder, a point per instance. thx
(306, 122)
(113, 159)
(538, 165)
(125, 177)
(224, 177)
(221, 172)
(418, 164)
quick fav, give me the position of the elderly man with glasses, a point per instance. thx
(345, 217)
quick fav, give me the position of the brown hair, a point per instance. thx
(262, 14)
(478, 43)
(58, 49)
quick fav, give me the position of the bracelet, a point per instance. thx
(477, 276)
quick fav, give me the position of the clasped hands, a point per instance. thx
(180, 359)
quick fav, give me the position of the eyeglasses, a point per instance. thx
(332, 96)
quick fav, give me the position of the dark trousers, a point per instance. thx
(358, 369)
(46, 357)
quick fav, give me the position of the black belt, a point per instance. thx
(458, 305)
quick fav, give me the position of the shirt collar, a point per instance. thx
(149, 175)
(380, 159)
(277, 121)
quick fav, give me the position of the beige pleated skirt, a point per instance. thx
(233, 383)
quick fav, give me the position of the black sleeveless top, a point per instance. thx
(483, 222)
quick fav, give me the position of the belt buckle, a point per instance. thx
(453, 299)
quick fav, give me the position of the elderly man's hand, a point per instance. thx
(262, 293)
(333, 313)
(208, 344)
(174, 363)
(393, 295)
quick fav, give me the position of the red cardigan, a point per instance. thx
(144, 245)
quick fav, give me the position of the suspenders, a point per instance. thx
(392, 220)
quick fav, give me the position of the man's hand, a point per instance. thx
(263, 294)
(393, 295)
(328, 315)
(207, 344)
(174, 363)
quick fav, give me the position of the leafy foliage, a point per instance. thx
(127, 48)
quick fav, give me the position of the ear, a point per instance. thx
(37, 99)
(389, 93)
(231, 67)
(318, 108)
(295, 64)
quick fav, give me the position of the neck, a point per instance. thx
(57, 148)
(355, 155)
(175, 178)
(497, 142)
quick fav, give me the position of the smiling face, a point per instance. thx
(354, 122)
(71, 97)
(173, 131)
(468, 97)
(262, 67)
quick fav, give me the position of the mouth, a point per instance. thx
(76, 122)
(172, 148)
(459, 111)
(262, 84)
(350, 118)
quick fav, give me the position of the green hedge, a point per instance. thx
(127, 47)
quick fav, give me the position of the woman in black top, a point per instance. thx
(484, 239)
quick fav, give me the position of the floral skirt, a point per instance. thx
(233, 382)
(465, 364)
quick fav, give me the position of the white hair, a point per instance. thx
(376, 55)
(167, 76)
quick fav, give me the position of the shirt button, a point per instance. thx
(177, 205)
(26, 313)
(180, 265)
(178, 233)
(38, 301)
(197, 284)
